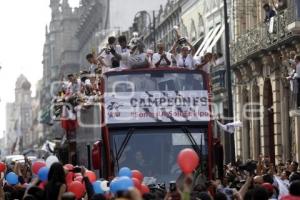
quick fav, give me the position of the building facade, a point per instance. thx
(19, 118)
(72, 34)
(264, 102)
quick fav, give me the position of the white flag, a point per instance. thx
(230, 127)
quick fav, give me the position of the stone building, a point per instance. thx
(261, 54)
(19, 118)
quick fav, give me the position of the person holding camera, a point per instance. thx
(185, 58)
(110, 54)
(162, 58)
(123, 51)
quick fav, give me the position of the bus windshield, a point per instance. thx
(155, 81)
(154, 151)
(156, 96)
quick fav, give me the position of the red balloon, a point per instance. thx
(77, 189)
(69, 177)
(36, 166)
(2, 167)
(188, 160)
(69, 167)
(137, 184)
(91, 176)
(145, 189)
(138, 175)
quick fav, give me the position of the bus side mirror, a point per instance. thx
(97, 155)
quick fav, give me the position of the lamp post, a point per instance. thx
(152, 24)
(230, 137)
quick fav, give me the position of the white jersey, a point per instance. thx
(156, 57)
(187, 62)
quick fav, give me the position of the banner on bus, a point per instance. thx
(156, 106)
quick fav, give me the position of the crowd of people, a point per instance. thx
(50, 180)
(79, 91)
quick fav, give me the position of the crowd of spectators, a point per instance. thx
(255, 180)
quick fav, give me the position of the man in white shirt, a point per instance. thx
(110, 53)
(185, 58)
(123, 51)
(96, 64)
(162, 58)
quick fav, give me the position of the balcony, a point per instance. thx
(286, 28)
(218, 77)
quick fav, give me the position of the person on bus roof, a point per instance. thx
(162, 58)
(185, 57)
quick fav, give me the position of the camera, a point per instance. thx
(249, 166)
(77, 169)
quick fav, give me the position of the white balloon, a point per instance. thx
(50, 160)
(104, 186)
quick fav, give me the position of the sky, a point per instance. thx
(22, 35)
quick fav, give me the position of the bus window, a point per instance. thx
(168, 81)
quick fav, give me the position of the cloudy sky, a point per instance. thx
(22, 35)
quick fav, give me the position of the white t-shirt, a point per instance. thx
(207, 67)
(187, 62)
(107, 57)
(125, 53)
(93, 68)
(156, 57)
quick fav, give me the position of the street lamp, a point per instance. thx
(151, 25)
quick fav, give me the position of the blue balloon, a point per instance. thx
(97, 187)
(124, 183)
(125, 171)
(43, 173)
(114, 185)
(12, 178)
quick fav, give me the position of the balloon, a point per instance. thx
(104, 186)
(43, 173)
(145, 189)
(2, 167)
(124, 183)
(97, 187)
(69, 167)
(12, 178)
(77, 189)
(187, 160)
(69, 177)
(114, 185)
(50, 160)
(91, 176)
(36, 166)
(138, 175)
(125, 171)
(137, 184)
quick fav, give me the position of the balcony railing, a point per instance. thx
(218, 79)
(262, 37)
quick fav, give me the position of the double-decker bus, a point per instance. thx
(149, 116)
